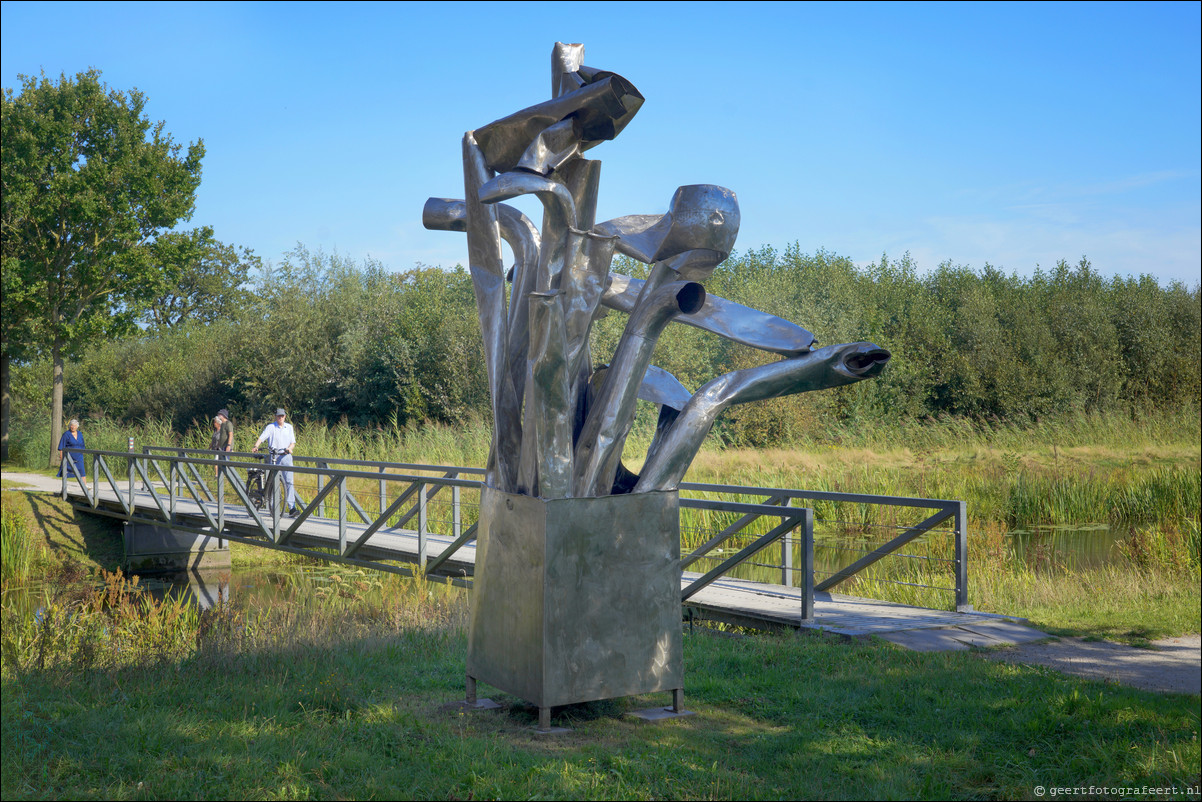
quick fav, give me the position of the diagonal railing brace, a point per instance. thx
(788, 525)
(884, 551)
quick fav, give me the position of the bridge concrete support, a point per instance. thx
(159, 548)
(576, 599)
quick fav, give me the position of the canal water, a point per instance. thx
(927, 562)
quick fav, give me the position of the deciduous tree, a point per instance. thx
(88, 181)
(200, 278)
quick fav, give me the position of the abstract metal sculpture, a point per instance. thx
(558, 506)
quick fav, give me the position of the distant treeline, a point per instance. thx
(328, 338)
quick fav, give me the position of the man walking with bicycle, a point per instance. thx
(280, 442)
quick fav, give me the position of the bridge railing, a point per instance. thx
(925, 558)
(192, 483)
(728, 530)
(314, 482)
(780, 523)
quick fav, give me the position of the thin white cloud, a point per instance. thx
(1173, 253)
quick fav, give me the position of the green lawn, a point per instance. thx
(777, 717)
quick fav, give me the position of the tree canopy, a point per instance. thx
(329, 338)
(88, 181)
(200, 278)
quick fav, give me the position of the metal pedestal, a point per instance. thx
(576, 599)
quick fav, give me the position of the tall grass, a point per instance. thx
(1020, 489)
(431, 444)
(1159, 496)
(30, 445)
(115, 622)
(18, 549)
(90, 625)
(957, 433)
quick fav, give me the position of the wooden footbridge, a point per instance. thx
(747, 552)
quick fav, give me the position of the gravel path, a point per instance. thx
(1172, 665)
(33, 481)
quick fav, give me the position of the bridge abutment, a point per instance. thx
(159, 548)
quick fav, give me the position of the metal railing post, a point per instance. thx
(342, 515)
(95, 481)
(961, 533)
(129, 464)
(421, 528)
(321, 483)
(456, 523)
(277, 503)
(383, 502)
(220, 498)
(807, 564)
(146, 481)
(786, 555)
(172, 485)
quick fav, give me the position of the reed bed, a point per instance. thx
(1018, 496)
(96, 624)
(75, 621)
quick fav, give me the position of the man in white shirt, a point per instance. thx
(280, 442)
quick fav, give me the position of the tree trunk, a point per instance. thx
(5, 405)
(56, 403)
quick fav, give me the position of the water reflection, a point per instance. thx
(205, 589)
(1087, 546)
(263, 586)
(268, 585)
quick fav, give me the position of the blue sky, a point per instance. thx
(1014, 134)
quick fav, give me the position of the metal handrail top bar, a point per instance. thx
(418, 466)
(819, 495)
(702, 504)
(262, 465)
(741, 506)
(696, 487)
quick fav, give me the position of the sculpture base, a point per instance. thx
(577, 599)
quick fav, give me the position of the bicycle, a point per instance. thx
(256, 489)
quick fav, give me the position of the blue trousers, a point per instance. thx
(285, 459)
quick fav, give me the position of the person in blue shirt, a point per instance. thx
(280, 442)
(71, 439)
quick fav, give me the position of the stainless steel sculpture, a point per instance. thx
(578, 576)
